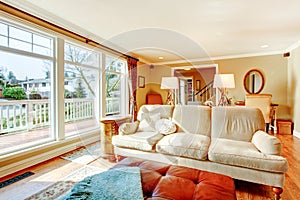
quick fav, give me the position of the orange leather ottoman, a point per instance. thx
(163, 181)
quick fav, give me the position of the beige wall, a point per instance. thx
(152, 82)
(294, 87)
(273, 67)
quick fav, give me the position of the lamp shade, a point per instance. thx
(169, 83)
(224, 81)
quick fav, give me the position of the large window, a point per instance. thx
(81, 72)
(37, 104)
(115, 88)
(26, 61)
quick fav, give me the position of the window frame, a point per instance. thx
(57, 59)
(124, 105)
(98, 68)
(51, 58)
(33, 31)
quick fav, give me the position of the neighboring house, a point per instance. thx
(43, 87)
(39, 86)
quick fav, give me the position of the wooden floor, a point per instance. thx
(56, 169)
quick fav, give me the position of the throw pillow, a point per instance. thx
(128, 128)
(147, 124)
(165, 126)
(267, 144)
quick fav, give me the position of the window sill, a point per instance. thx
(117, 118)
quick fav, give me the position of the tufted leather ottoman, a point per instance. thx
(163, 181)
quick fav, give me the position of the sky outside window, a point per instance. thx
(23, 66)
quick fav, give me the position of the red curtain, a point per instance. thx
(132, 72)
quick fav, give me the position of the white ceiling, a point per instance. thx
(176, 29)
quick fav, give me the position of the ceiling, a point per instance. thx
(178, 30)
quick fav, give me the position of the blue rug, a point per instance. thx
(116, 184)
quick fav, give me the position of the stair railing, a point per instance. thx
(207, 93)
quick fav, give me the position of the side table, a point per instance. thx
(108, 129)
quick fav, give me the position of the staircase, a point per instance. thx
(207, 93)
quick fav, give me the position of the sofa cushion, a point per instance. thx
(128, 128)
(244, 154)
(165, 126)
(144, 141)
(237, 123)
(185, 145)
(193, 119)
(266, 144)
(147, 123)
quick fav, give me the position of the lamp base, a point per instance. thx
(224, 100)
(170, 98)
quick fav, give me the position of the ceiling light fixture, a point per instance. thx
(160, 57)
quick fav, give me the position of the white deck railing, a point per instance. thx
(112, 105)
(19, 115)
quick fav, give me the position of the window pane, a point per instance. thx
(16, 44)
(114, 64)
(81, 85)
(3, 41)
(113, 94)
(115, 73)
(20, 34)
(42, 45)
(41, 50)
(42, 41)
(81, 81)
(80, 55)
(3, 29)
(24, 120)
(26, 40)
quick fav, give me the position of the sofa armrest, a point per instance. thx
(128, 128)
(266, 144)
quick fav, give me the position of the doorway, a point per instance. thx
(193, 83)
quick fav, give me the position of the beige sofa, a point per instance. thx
(225, 140)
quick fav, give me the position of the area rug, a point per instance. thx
(116, 184)
(60, 188)
(84, 155)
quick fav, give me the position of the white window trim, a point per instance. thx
(59, 99)
(28, 27)
(124, 110)
(70, 41)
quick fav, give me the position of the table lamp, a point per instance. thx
(223, 82)
(171, 83)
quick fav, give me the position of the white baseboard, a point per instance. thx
(296, 134)
(18, 165)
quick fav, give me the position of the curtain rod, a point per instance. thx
(36, 20)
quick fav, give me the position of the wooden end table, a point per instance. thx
(109, 128)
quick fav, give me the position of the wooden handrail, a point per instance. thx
(204, 92)
(204, 89)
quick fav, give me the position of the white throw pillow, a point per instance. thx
(148, 122)
(128, 128)
(165, 126)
